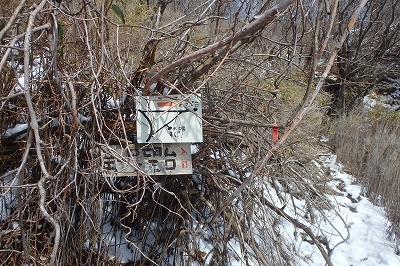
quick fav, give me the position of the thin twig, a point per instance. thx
(237, 121)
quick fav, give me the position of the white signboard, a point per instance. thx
(169, 119)
(152, 159)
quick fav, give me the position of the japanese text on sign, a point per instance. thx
(155, 159)
(169, 119)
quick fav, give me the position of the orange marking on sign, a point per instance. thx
(164, 104)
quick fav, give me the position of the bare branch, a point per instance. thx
(259, 23)
(35, 129)
(12, 19)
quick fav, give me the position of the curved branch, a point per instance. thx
(302, 226)
(35, 129)
(257, 24)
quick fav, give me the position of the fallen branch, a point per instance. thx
(260, 22)
(302, 226)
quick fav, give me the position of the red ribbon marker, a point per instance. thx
(275, 133)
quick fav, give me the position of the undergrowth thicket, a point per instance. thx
(71, 83)
(367, 143)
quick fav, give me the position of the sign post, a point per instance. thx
(166, 127)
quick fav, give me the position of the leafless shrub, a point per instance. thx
(367, 142)
(70, 72)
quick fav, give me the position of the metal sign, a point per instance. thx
(169, 119)
(152, 159)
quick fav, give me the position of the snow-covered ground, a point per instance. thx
(367, 243)
(356, 237)
(387, 94)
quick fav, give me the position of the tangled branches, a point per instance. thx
(69, 79)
